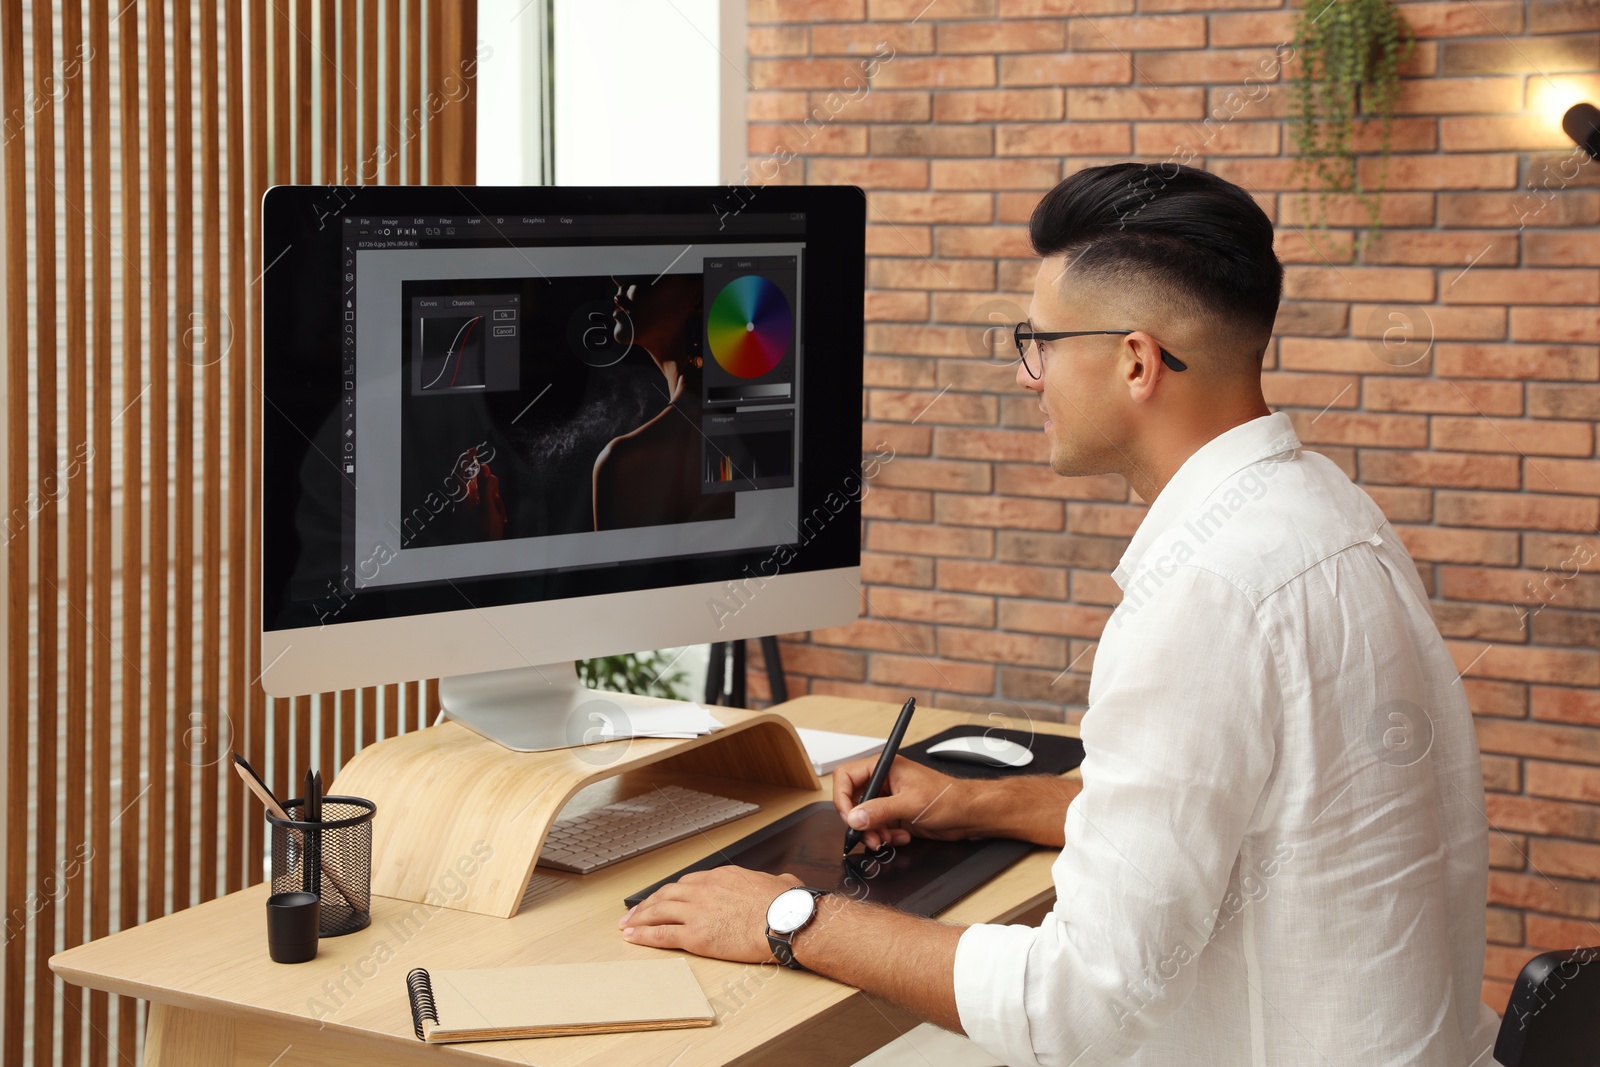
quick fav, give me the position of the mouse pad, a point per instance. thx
(1052, 754)
(924, 877)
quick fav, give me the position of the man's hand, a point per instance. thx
(720, 913)
(917, 802)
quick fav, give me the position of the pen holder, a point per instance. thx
(331, 858)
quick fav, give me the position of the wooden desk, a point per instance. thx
(216, 998)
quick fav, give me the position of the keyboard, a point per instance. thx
(619, 831)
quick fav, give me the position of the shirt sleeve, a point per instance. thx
(1179, 744)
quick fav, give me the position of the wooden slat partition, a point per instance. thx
(145, 132)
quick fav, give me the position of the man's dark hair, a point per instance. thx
(1200, 238)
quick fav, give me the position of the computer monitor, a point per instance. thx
(507, 428)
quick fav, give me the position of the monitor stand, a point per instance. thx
(538, 709)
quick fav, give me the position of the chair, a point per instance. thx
(1553, 1016)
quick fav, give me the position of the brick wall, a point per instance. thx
(1450, 366)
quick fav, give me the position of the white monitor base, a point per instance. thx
(537, 709)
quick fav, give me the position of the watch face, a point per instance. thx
(790, 911)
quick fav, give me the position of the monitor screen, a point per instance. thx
(476, 397)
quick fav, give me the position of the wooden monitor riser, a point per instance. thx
(461, 819)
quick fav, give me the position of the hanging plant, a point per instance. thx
(1350, 52)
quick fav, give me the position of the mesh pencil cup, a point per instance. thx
(331, 858)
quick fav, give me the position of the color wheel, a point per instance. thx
(749, 326)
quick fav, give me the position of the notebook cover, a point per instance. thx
(566, 998)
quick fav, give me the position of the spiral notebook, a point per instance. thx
(500, 1003)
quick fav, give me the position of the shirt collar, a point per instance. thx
(1212, 463)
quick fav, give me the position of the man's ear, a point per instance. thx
(1139, 363)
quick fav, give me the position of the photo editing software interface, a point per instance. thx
(551, 393)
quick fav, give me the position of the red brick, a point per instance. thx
(879, 634)
(931, 141)
(1572, 744)
(998, 511)
(1564, 324)
(1513, 435)
(1254, 27)
(1517, 511)
(1489, 133)
(1030, 479)
(889, 239)
(996, 174)
(864, 39)
(920, 340)
(1459, 171)
(1519, 664)
(1394, 209)
(1361, 428)
(1091, 588)
(1523, 587)
(1507, 700)
(1355, 357)
(1113, 520)
(1525, 285)
(948, 9)
(1459, 96)
(1411, 284)
(1227, 65)
(930, 207)
(816, 140)
(897, 504)
(1230, 139)
(929, 274)
(840, 74)
(1328, 247)
(1508, 852)
(1394, 323)
(1564, 401)
(777, 41)
(999, 310)
(1039, 616)
(1003, 105)
(1566, 475)
(1564, 782)
(1537, 893)
(1076, 8)
(806, 10)
(1577, 706)
(1010, 649)
(1011, 35)
(801, 658)
(918, 539)
(903, 440)
(1504, 927)
(1566, 553)
(919, 606)
(1402, 504)
(1447, 397)
(1141, 32)
(1016, 445)
(1546, 932)
(1464, 19)
(945, 408)
(1383, 467)
(1550, 362)
(931, 674)
(1288, 389)
(1542, 817)
(1535, 55)
(1135, 103)
(1203, 5)
(896, 306)
(938, 72)
(880, 105)
(1563, 16)
(879, 568)
(871, 173)
(1004, 579)
(1570, 207)
(1463, 250)
(891, 373)
(1065, 138)
(1561, 249)
(774, 106)
(1068, 68)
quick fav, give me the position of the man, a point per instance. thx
(1278, 854)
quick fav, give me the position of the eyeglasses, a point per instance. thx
(1022, 335)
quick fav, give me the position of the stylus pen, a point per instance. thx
(880, 773)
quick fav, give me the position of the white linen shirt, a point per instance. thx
(1279, 856)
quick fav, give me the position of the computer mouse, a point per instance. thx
(984, 751)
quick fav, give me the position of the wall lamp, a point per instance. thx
(1582, 123)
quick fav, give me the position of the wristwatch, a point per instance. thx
(789, 913)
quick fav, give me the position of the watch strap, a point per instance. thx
(782, 944)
